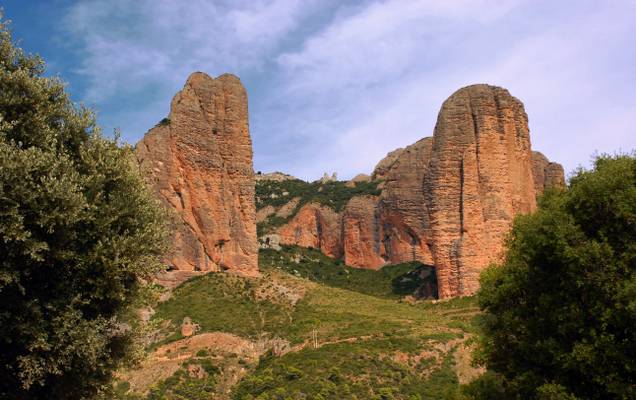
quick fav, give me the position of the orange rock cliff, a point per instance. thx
(447, 200)
(199, 162)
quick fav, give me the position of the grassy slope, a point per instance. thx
(361, 330)
(392, 281)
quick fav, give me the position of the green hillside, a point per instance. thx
(392, 281)
(312, 329)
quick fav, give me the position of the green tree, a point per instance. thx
(560, 313)
(79, 236)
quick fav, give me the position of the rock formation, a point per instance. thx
(362, 244)
(199, 161)
(479, 178)
(189, 328)
(273, 176)
(361, 178)
(316, 226)
(403, 215)
(448, 200)
(357, 179)
(382, 168)
(546, 174)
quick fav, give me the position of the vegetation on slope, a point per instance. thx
(339, 339)
(391, 281)
(224, 302)
(360, 370)
(332, 194)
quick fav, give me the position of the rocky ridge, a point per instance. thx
(446, 200)
(276, 176)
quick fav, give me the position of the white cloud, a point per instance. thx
(375, 79)
(378, 77)
(336, 86)
(383, 41)
(128, 44)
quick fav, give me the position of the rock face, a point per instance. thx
(372, 231)
(315, 226)
(403, 212)
(383, 167)
(447, 200)
(546, 174)
(199, 161)
(362, 244)
(479, 178)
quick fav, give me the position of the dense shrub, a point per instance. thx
(560, 312)
(78, 234)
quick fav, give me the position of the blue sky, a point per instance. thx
(335, 85)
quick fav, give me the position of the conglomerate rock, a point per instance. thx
(199, 162)
(384, 165)
(403, 216)
(361, 235)
(446, 201)
(546, 174)
(316, 226)
(479, 178)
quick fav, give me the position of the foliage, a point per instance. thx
(182, 385)
(391, 281)
(489, 386)
(78, 234)
(337, 308)
(334, 194)
(359, 331)
(561, 310)
(346, 371)
(223, 302)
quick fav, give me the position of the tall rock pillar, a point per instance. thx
(199, 161)
(479, 178)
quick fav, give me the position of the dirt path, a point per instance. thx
(167, 359)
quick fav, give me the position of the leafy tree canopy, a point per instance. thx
(79, 233)
(560, 313)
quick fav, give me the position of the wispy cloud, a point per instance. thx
(336, 85)
(378, 78)
(134, 55)
(128, 44)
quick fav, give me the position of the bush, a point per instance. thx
(79, 232)
(561, 310)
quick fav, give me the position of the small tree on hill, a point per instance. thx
(79, 232)
(560, 313)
